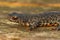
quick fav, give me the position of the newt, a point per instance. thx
(31, 21)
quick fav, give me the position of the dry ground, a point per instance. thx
(16, 4)
(13, 31)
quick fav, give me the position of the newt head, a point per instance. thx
(13, 17)
(19, 18)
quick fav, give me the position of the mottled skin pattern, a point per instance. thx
(31, 21)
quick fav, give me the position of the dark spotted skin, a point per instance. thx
(31, 21)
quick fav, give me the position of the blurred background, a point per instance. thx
(29, 6)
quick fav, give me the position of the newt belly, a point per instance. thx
(31, 21)
(49, 25)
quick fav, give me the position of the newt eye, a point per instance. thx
(11, 18)
(14, 17)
